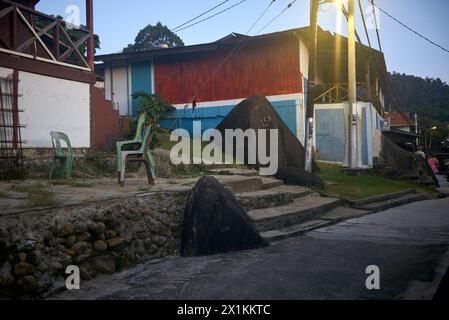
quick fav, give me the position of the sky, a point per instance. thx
(117, 23)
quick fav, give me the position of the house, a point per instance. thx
(204, 82)
(48, 85)
(401, 121)
(401, 129)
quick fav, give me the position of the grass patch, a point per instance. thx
(358, 187)
(3, 194)
(81, 185)
(39, 195)
(143, 189)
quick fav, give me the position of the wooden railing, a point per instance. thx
(29, 33)
(338, 93)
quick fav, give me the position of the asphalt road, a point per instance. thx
(409, 244)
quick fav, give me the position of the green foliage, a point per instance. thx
(427, 97)
(358, 187)
(74, 34)
(152, 37)
(154, 106)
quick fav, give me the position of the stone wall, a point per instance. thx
(37, 246)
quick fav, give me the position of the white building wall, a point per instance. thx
(52, 104)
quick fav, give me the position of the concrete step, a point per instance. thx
(235, 171)
(295, 230)
(273, 197)
(300, 210)
(380, 198)
(240, 184)
(398, 201)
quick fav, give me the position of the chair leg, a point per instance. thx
(84, 169)
(62, 163)
(149, 174)
(123, 171)
(52, 168)
(69, 165)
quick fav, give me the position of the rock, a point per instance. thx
(113, 243)
(256, 113)
(101, 236)
(60, 241)
(26, 246)
(70, 241)
(159, 240)
(6, 277)
(110, 234)
(104, 264)
(84, 237)
(81, 247)
(163, 230)
(100, 227)
(56, 265)
(85, 275)
(100, 246)
(299, 177)
(27, 284)
(66, 230)
(215, 222)
(22, 257)
(23, 269)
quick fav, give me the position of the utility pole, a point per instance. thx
(352, 88)
(311, 84)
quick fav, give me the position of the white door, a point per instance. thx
(120, 90)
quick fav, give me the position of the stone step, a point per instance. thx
(382, 197)
(235, 171)
(295, 230)
(300, 210)
(398, 201)
(273, 197)
(269, 183)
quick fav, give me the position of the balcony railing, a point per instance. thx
(33, 34)
(338, 93)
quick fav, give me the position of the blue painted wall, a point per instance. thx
(330, 134)
(211, 117)
(140, 81)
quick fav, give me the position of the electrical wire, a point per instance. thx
(412, 30)
(199, 16)
(211, 16)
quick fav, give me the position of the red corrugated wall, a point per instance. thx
(266, 67)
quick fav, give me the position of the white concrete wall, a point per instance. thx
(374, 132)
(52, 104)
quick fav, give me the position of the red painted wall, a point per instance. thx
(104, 121)
(266, 67)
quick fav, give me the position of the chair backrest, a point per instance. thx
(56, 138)
(141, 126)
(147, 139)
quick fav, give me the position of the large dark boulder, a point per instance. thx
(214, 222)
(299, 177)
(256, 112)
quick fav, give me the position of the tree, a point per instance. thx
(74, 33)
(152, 37)
(154, 106)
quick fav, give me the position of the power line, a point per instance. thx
(410, 29)
(377, 26)
(237, 47)
(276, 17)
(199, 16)
(211, 16)
(364, 23)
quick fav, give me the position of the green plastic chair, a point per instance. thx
(144, 155)
(65, 155)
(137, 140)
